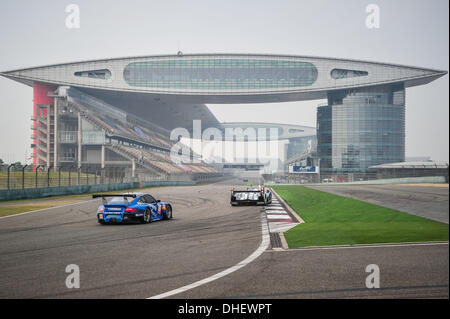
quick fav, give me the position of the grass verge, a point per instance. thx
(17, 209)
(28, 205)
(335, 220)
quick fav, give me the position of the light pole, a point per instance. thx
(23, 175)
(48, 175)
(36, 172)
(70, 170)
(9, 167)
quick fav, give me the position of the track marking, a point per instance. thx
(265, 241)
(393, 245)
(279, 216)
(288, 208)
(281, 227)
(44, 209)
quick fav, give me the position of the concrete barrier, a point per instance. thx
(405, 180)
(168, 183)
(30, 193)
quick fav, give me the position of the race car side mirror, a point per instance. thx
(157, 200)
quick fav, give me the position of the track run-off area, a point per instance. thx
(208, 250)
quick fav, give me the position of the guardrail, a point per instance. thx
(15, 194)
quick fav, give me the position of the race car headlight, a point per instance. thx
(100, 216)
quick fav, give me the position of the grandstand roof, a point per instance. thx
(225, 78)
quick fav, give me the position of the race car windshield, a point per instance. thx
(120, 200)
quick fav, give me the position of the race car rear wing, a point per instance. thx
(233, 190)
(103, 196)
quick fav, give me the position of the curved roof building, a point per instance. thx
(225, 78)
(172, 90)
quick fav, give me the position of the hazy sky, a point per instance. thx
(33, 33)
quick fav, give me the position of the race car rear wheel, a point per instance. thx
(168, 213)
(147, 218)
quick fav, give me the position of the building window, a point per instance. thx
(220, 74)
(344, 74)
(103, 74)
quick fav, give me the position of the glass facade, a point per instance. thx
(93, 137)
(300, 145)
(360, 128)
(324, 142)
(95, 74)
(343, 73)
(220, 74)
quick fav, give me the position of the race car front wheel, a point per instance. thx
(168, 213)
(147, 218)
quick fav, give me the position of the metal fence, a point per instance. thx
(29, 176)
(23, 177)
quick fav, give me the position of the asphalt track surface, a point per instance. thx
(425, 201)
(205, 237)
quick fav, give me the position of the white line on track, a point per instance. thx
(265, 241)
(368, 246)
(276, 212)
(281, 227)
(279, 216)
(44, 209)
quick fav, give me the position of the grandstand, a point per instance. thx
(94, 134)
(116, 122)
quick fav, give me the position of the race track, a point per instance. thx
(205, 237)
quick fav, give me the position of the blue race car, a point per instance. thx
(139, 207)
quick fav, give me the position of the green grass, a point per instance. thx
(335, 220)
(17, 209)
